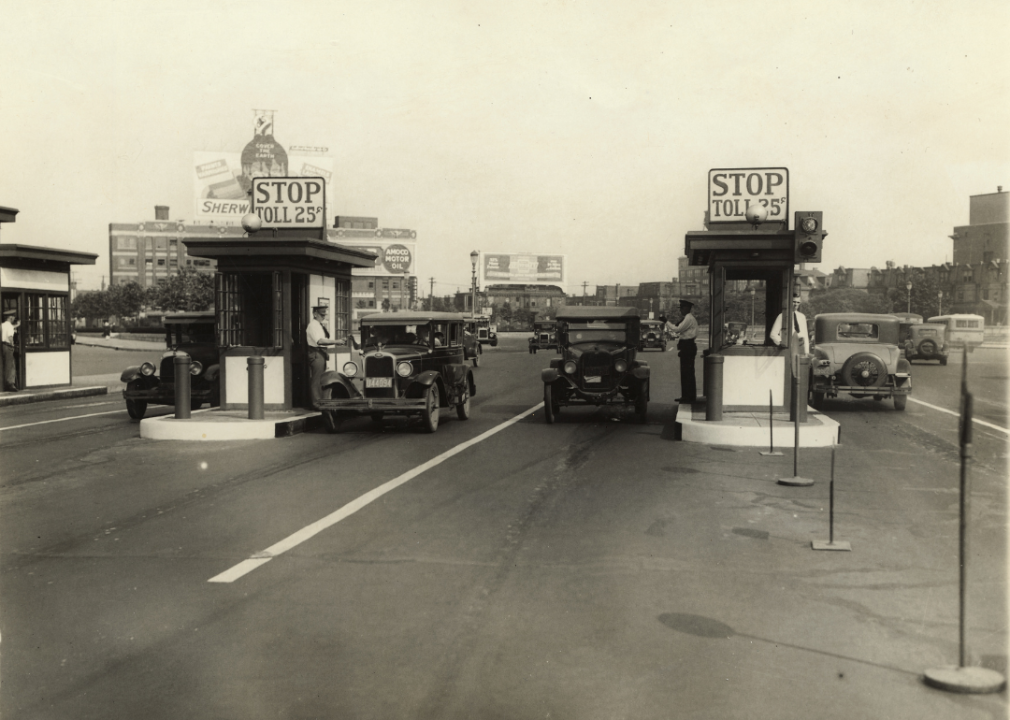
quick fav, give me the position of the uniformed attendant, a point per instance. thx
(316, 337)
(10, 326)
(687, 350)
(799, 327)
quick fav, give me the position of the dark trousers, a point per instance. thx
(317, 366)
(687, 351)
(10, 369)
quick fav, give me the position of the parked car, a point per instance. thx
(186, 333)
(858, 354)
(598, 364)
(924, 341)
(545, 336)
(653, 335)
(412, 363)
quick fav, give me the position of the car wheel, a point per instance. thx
(548, 405)
(899, 402)
(463, 409)
(534, 351)
(864, 369)
(430, 413)
(136, 408)
(331, 419)
(476, 361)
(642, 403)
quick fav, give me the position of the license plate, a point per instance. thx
(373, 382)
(594, 378)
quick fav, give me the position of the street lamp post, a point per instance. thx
(473, 282)
(908, 286)
(939, 297)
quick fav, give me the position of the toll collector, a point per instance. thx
(686, 333)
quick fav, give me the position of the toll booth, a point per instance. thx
(35, 284)
(754, 368)
(266, 286)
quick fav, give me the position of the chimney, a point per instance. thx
(161, 212)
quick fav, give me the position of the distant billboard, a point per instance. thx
(522, 269)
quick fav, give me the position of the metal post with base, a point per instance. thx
(831, 544)
(799, 395)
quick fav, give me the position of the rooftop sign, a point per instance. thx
(732, 191)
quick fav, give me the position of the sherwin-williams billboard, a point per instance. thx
(522, 269)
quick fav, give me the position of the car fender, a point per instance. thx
(641, 372)
(420, 384)
(333, 377)
(130, 373)
(212, 373)
(549, 375)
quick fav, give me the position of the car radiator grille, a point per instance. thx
(599, 365)
(167, 370)
(380, 367)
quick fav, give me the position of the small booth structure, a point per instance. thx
(754, 370)
(265, 289)
(35, 284)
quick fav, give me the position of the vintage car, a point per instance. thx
(186, 333)
(481, 327)
(858, 354)
(597, 364)
(545, 336)
(653, 335)
(412, 363)
(924, 341)
(471, 348)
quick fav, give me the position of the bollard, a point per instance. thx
(255, 369)
(713, 387)
(182, 392)
(771, 427)
(801, 383)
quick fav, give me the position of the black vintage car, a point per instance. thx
(653, 335)
(480, 327)
(412, 363)
(598, 364)
(545, 335)
(186, 333)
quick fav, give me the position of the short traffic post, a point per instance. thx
(182, 387)
(255, 368)
(796, 480)
(771, 429)
(831, 544)
(962, 678)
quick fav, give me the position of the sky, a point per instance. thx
(586, 129)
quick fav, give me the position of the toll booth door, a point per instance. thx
(300, 315)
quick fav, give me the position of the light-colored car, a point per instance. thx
(924, 341)
(858, 354)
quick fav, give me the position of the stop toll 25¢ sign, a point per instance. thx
(290, 202)
(732, 191)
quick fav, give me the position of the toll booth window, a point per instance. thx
(45, 326)
(249, 311)
(857, 331)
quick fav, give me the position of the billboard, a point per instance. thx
(522, 269)
(396, 256)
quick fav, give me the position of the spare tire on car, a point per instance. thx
(864, 369)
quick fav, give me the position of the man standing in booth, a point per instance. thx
(317, 336)
(10, 325)
(687, 349)
(799, 327)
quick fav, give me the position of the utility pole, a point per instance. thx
(431, 294)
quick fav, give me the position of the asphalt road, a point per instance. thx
(594, 568)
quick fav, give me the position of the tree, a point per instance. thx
(91, 305)
(844, 300)
(925, 300)
(187, 290)
(126, 299)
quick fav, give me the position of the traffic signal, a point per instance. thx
(809, 237)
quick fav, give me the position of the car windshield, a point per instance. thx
(597, 331)
(866, 331)
(373, 335)
(202, 334)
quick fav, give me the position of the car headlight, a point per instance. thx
(620, 366)
(404, 369)
(147, 369)
(571, 367)
(195, 367)
(349, 369)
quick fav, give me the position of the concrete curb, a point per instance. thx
(214, 424)
(34, 396)
(750, 429)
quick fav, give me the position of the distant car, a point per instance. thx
(544, 336)
(480, 326)
(858, 354)
(598, 364)
(653, 335)
(924, 341)
(412, 363)
(187, 333)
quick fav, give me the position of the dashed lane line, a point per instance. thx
(957, 415)
(264, 556)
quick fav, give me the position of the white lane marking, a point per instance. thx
(264, 556)
(957, 415)
(78, 417)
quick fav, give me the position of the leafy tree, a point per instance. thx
(91, 305)
(126, 299)
(187, 290)
(925, 300)
(844, 300)
(386, 305)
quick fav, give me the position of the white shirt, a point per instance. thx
(775, 334)
(688, 328)
(314, 333)
(8, 332)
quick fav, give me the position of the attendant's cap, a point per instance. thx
(10, 312)
(686, 302)
(320, 309)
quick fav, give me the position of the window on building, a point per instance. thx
(46, 325)
(173, 244)
(173, 262)
(149, 264)
(126, 243)
(371, 284)
(161, 243)
(161, 262)
(149, 243)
